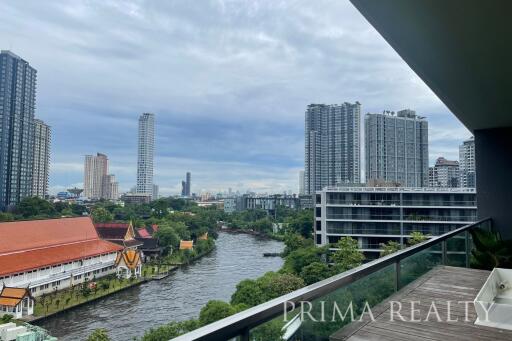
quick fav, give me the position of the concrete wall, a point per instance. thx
(494, 177)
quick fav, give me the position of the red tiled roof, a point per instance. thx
(25, 235)
(29, 245)
(154, 227)
(29, 260)
(113, 225)
(143, 233)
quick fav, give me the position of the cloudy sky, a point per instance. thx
(228, 80)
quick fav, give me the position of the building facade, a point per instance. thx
(332, 145)
(397, 148)
(110, 187)
(146, 150)
(53, 254)
(375, 215)
(444, 173)
(41, 150)
(301, 182)
(95, 171)
(467, 163)
(17, 107)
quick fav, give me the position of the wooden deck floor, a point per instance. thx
(440, 285)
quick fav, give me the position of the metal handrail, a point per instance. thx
(241, 323)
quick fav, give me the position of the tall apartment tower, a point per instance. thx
(95, 172)
(41, 149)
(17, 106)
(188, 184)
(444, 174)
(467, 163)
(332, 142)
(146, 150)
(301, 182)
(397, 148)
(110, 186)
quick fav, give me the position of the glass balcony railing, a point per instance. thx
(358, 288)
(465, 218)
(405, 203)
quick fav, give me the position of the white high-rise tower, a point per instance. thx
(146, 150)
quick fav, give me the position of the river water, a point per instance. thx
(178, 297)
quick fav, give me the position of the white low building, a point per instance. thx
(53, 254)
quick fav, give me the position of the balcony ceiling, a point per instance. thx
(462, 49)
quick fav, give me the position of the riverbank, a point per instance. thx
(236, 230)
(179, 297)
(68, 299)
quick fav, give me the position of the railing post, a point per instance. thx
(244, 336)
(468, 249)
(444, 257)
(397, 275)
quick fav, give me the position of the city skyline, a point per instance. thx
(212, 129)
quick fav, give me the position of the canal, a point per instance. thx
(178, 297)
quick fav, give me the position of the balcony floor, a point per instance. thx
(440, 285)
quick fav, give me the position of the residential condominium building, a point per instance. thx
(375, 215)
(146, 150)
(95, 171)
(444, 173)
(332, 146)
(41, 150)
(467, 163)
(17, 106)
(397, 148)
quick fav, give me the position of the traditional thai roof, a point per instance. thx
(143, 233)
(154, 227)
(131, 258)
(204, 236)
(30, 245)
(11, 297)
(119, 233)
(186, 244)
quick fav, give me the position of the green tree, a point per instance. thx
(416, 238)
(99, 335)
(348, 255)
(315, 272)
(170, 330)
(35, 207)
(248, 292)
(302, 257)
(295, 241)
(6, 216)
(101, 215)
(167, 237)
(215, 310)
(390, 247)
(302, 223)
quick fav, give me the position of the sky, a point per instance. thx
(228, 81)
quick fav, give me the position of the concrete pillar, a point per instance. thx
(494, 177)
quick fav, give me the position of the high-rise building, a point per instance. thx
(110, 187)
(397, 148)
(95, 172)
(41, 149)
(155, 192)
(332, 143)
(445, 173)
(146, 150)
(183, 188)
(301, 182)
(17, 106)
(188, 184)
(467, 163)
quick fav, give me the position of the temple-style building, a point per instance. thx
(17, 302)
(53, 254)
(129, 264)
(120, 233)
